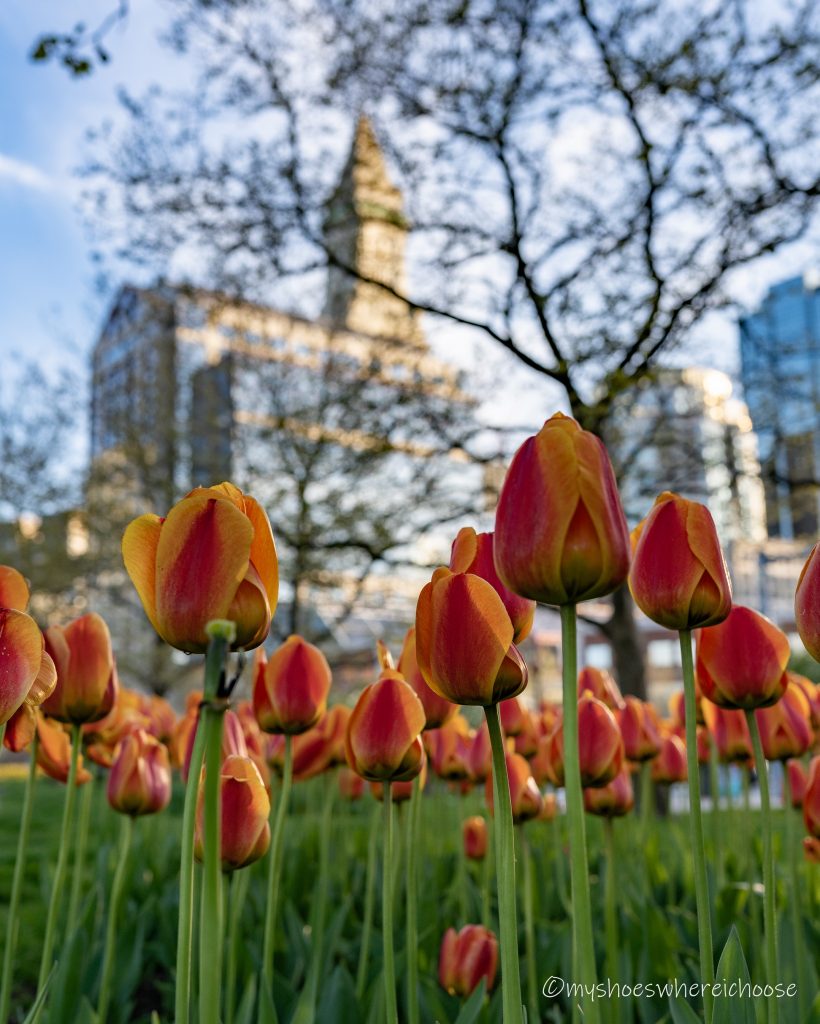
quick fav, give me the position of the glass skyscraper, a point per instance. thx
(780, 369)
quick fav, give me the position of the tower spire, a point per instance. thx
(366, 230)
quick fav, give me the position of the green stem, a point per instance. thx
(505, 873)
(113, 915)
(369, 903)
(211, 906)
(79, 850)
(529, 928)
(707, 962)
(769, 918)
(62, 861)
(238, 892)
(412, 904)
(793, 843)
(714, 785)
(579, 875)
(12, 923)
(610, 912)
(275, 868)
(214, 661)
(391, 1014)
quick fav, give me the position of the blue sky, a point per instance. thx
(49, 309)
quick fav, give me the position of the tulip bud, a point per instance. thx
(436, 708)
(233, 739)
(729, 732)
(86, 677)
(449, 749)
(599, 684)
(473, 552)
(524, 795)
(245, 806)
(464, 641)
(560, 532)
(351, 785)
(796, 777)
(54, 752)
(382, 742)
(807, 603)
(465, 958)
(480, 757)
(811, 691)
(140, 779)
(512, 716)
(741, 663)
(20, 729)
(290, 691)
(785, 727)
(600, 745)
(613, 800)
(679, 576)
(474, 831)
(400, 792)
(212, 557)
(670, 764)
(811, 799)
(640, 729)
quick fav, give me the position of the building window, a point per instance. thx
(663, 653)
(598, 656)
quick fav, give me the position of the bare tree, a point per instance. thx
(582, 177)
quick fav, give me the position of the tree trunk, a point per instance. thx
(622, 631)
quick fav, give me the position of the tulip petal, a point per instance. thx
(13, 589)
(139, 553)
(263, 550)
(21, 651)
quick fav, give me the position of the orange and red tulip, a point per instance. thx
(465, 958)
(600, 684)
(679, 576)
(383, 742)
(480, 757)
(670, 764)
(797, 779)
(140, 778)
(785, 727)
(212, 557)
(473, 552)
(54, 751)
(400, 792)
(513, 716)
(560, 531)
(524, 794)
(729, 732)
(448, 749)
(640, 728)
(464, 643)
(811, 799)
(290, 690)
(475, 836)
(233, 738)
(807, 603)
(437, 709)
(600, 745)
(741, 662)
(27, 673)
(811, 691)
(245, 832)
(614, 800)
(86, 675)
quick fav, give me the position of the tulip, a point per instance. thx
(464, 641)
(232, 740)
(245, 832)
(86, 675)
(560, 534)
(212, 558)
(465, 958)
(351, 785)
(613, 800)
(513, 716)
(670, 764)
(473, 552)
(27, 673)
(797, 779)
(677, 708)
(811, 692)
(21, 728)
(54, 751)
(140, 778)
(401, 792)
(437, 710)
(474, 832)
(730, 733)
(807, 603)
(527, 740)
(14, 593)
(524, 795)
(679, 576)
(741, 663)
(601, 747)
(290, 691)
(480, 756)
(383, 742)
(449, 749)
(811, 799)
(640, 729)
(785, 727)
(600, 684)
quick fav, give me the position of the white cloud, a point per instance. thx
(18, 172)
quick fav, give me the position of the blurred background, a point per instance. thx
(348, 255)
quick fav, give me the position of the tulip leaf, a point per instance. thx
(736, 1007)
(682, 1012)
(472, 1008)
(34, 1013)
(244, 1014)
(338, 1002)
